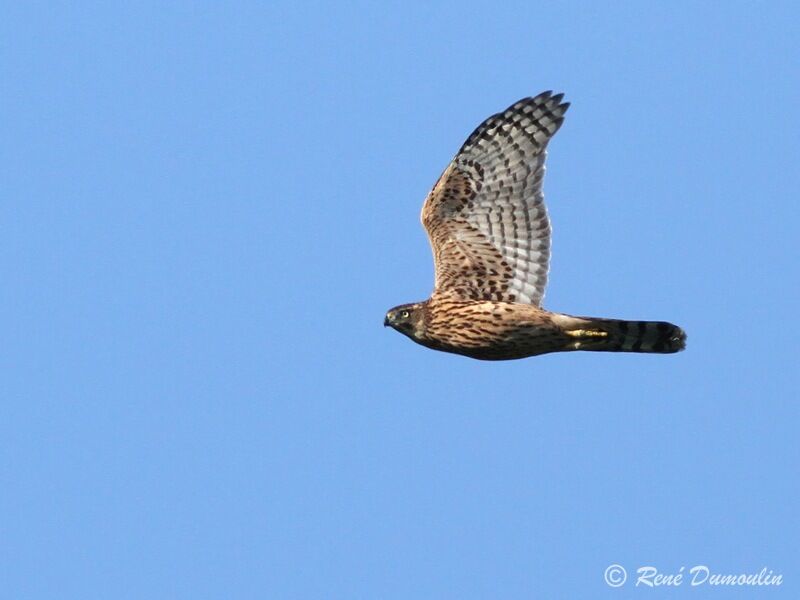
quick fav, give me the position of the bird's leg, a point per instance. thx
(586, 333)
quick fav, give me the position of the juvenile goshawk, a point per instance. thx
(490, 235)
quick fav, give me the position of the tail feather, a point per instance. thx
(613, 335)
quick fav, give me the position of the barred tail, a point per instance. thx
(612, 335)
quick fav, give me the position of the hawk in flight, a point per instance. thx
(490, 235)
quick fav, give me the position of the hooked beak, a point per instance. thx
(386, 322)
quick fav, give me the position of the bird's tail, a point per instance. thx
(613, 335)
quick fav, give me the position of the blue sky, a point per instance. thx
(206, 212)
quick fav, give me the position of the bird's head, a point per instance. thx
(408, 319)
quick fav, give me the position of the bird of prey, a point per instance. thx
(490, 234)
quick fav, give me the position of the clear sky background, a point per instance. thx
(206, 212)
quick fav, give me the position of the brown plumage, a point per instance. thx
(490, 235)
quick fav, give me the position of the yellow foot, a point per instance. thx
(581, 333)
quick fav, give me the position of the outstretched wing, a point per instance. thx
(485, 217)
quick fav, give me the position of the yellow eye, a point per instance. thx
(405, 314)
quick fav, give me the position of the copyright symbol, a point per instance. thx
(615, 575)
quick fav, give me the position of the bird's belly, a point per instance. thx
(497, 332)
